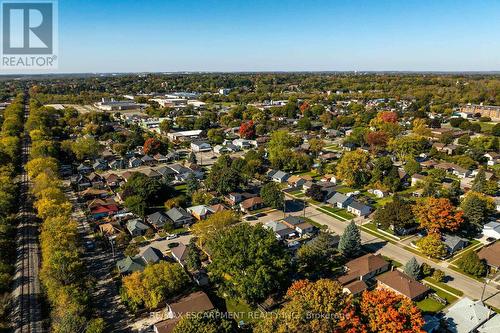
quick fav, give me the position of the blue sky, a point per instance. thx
(220, 35)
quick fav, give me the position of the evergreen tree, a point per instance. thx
(350, 241)
(479, 184)
(192, 158)
(192, 184)
(412, 268)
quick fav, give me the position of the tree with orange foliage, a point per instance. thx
(319, 306)
(247, 130)
(388, 116)
(303, 107)
(437, 214)
(152, 146)
(388, 312)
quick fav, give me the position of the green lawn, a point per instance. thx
(345, 190)
(241, 309)
(430, 305)
(393, 262)
(338, 211)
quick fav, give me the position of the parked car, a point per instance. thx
(170, 237)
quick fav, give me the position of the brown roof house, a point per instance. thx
(491, 254)
(364, 268)
(402, 284)
(251, 204)
(194, 302)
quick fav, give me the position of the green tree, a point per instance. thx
(272, 195)
(318, 257)
(479, 183)
(353, 168)
(412, 167)
(476, 208)
(397, 214)
(412, 268)
(222, 178)
(471, 264)
(248, 262)
(350, 241)
(86, 148)
(432, 246)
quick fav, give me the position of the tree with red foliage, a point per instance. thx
(388, 312)
(152, 146)
(437, 214)
(389, 116)
(376, 140)
(247, 130)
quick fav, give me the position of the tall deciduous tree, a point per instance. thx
(319, 307)
(248, 262)
(432, 246)
(353, 168)
(437, 214)
(388, 312)
(272, 195)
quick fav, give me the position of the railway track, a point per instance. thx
(27, 316)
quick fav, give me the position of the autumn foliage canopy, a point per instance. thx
(247, 130)
(437, 214)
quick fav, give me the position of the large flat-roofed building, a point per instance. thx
(491, 111)
(112, 105)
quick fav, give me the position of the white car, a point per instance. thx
(170, 237)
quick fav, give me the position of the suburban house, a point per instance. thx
(160, 158)
(251, 204)
(80, 182)
(180, 253)
(134, 162)
(84, 169)
(96, 181)
(280, 230)
(136, 228)
(200, 146)
(491, 254)
(359, 209)
(299, 224)
(454, 243)
(233, 198)
(195, 302)
(157, 220)
(493, 158)
(402, 284)
(491, 230)
(150, 255)
(466, 315)
(364, 268)
(296, 181)
(280, 176)
(417, 178)
(340, 200)
(200, 212)
(100, 208)
(148, 160)
(129, 265)
(179, 216)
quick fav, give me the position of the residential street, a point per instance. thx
(469, 286)
(100, 264)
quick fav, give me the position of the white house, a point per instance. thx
(492, 157)
(358, 209)
(492, 229)
(200, 146)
